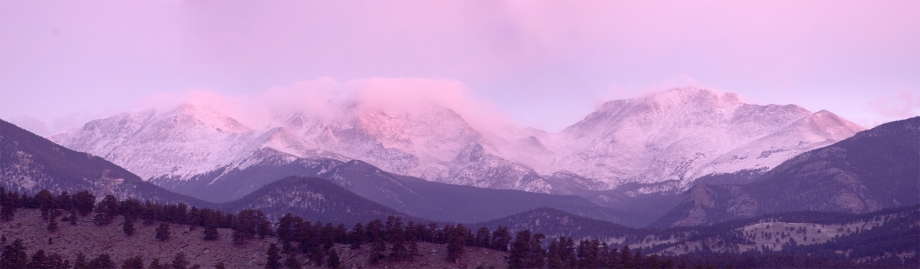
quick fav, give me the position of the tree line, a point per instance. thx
(389, 241)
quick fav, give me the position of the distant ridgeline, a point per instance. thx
(876, 239)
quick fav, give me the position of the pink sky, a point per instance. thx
(545, 64)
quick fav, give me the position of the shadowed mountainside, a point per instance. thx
(314, 198)
(875, 169)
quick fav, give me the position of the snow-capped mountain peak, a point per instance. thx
(208, 116)
(686, 133)
(691, 97)
(830, 125)
(178, 142)
(672, 136)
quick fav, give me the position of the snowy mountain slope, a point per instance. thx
(408, 143)
(686, 133)
(432, 142)
(181, 142)
(813, 131)
(475, 166)
(872, 170)
(674, 136)
(193, 142)
(30, 163)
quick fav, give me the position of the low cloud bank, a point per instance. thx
(328, 99)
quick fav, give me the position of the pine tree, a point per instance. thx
(374, 231)
(211, 233)
(318, 254)
(155, 264)
(483, 237)
(501, 238)
(14, 256)
(64, 201)
(333, 260)
(652, 261)
(128, 225)
(103, 261)
(73, 216)
(638, 259)
(247, 225)
(291, 261)
(456, 243)
(377, 249)
(327, 236)
(519, 255)
(194, 218)
(605, 255)
(148, 213)
(553, 255)
(591, 255)
(567, 245)
(52, 224)
(626, 258)
(9, 206)
(81, 262)
(163, 231)
(285, 230)
(105, 210)
(56, 261)
(306, 239)
(357, 236)
(84, 201)
(614, 258)
(179, 213)
(537, 256)
(39, 260)
(398, 251)
(264, 226)
(274, 258)
(180, 262)
(45, 201)
(413, 250)
(136, 262)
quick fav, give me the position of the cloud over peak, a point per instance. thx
(326, 98)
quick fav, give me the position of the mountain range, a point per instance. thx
(707, 173)
(30, 163)
(708, 189)
(664, 141)
(349, 192)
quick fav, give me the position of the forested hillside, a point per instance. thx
(51, 231)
